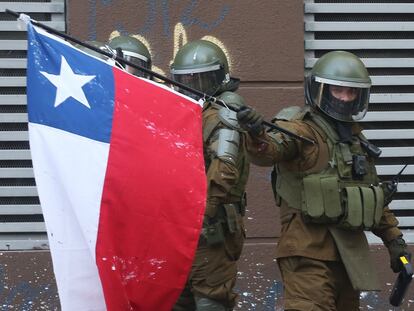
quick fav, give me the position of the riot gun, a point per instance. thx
(402, 283)
(120, 59)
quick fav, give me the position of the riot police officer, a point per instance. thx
(202, 65)
(133, 50)
(329, 191)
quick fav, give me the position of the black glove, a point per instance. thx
(396, 249)
(250, 120)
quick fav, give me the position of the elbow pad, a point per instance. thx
(228, 145)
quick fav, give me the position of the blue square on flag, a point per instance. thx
(69, 89)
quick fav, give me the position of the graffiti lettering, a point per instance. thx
(92, 20)
(106, 2)
(187, 17)
(157, 9)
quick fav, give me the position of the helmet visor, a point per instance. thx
(139, 62)
(343, 103)
(208, 82)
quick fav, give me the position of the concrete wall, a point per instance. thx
(264, 43)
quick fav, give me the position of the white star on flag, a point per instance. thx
(68, 84)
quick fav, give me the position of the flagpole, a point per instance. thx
(155, 74)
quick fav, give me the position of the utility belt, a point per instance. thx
(225, 222)
(326, 200)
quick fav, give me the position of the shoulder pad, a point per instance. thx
(291, 113)
(232, 99)
(229, 118)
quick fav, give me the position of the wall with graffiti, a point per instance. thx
(262, 40)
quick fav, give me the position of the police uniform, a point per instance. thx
(214, 271)
(325, 205)
(202, 65)
(328, 191)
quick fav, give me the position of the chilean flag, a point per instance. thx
(119, 168)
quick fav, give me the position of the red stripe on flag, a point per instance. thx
(153, 199)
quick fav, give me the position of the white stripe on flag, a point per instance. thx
(70, 171)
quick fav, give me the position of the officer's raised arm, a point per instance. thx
(266, 148)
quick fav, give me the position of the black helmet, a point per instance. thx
(134, 51)
(339, 85)
(202, 65)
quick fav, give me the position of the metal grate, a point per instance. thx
(381, 33)
(21, 219)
